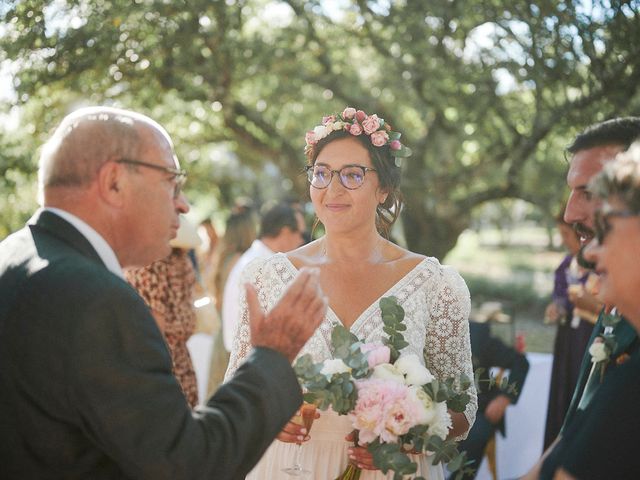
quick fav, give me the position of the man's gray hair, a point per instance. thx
(85, 140)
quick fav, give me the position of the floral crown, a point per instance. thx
(357, 122)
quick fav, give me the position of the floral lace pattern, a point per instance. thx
(436, 303)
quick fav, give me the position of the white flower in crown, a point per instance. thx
(320, 132)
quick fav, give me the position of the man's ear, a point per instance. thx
(112, 181)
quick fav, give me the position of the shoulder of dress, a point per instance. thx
(265, 266)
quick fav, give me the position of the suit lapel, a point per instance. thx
(63, 230)
(625, 335)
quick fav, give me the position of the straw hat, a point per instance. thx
(187, 237)
(490, 312)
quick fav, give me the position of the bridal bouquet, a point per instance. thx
(395, 404)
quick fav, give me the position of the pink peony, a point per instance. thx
(360, 115)
(328, 118)
(376, 353)
(395, 145)
(355, 129)
(379, 138)
(371, 124)
(349, 113)
(310, 138)
(384, 409)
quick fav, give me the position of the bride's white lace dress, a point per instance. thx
(436, 303)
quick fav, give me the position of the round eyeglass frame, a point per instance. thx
(309, 170)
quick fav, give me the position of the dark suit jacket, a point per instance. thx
(626, 342)
(86, 388)
(488, 352)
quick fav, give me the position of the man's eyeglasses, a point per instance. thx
(351, 176)
(179, 176)
(602, 226)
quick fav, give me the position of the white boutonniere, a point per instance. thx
(604, 345)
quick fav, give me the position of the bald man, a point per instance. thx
(86, 388)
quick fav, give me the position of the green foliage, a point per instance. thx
(485, 94)
(392, 318)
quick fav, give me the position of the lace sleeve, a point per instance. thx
(448, 352)
(241, 348)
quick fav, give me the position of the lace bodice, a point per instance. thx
(435, 299)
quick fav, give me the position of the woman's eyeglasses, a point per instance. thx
(179, 176)
(351, 176)
(602, 226)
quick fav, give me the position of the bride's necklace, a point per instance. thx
(375, 257)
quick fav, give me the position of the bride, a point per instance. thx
(354, 183)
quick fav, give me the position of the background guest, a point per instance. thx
(573, 328)
(167, 287)
(487, 352)
(240, 232)
(281, 230)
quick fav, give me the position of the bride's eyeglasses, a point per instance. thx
(351, 176)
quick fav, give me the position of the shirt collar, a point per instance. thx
(104, 250)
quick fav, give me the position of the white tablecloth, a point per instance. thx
(521, 448)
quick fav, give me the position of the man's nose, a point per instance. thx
(182, 204)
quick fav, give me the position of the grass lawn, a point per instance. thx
(517, 271)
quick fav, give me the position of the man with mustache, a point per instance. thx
(590, 151)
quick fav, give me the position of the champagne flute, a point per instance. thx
(305, 417)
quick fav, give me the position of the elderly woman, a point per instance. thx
(354, 175)
(603, 444)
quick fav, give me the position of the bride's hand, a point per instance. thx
(360, 456)
(294, 432)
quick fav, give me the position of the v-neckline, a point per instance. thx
(333, 316)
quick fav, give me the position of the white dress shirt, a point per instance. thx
(100, 245)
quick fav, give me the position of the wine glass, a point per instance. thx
(305, 417)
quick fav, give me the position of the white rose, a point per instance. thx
(386, 371)
(428, 406)
(416, 373)
(441, 422)
(320, 132)
(598, 351)
(334, 366)
(338, 126)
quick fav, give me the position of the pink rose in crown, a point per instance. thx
(310, 138)
(355, 129)
(328, 118)
(371, 124)
(376, 353)
(395, 145)
(379, 138)
(360, 116)
(349, 113)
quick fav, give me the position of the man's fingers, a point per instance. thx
(306, 279)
